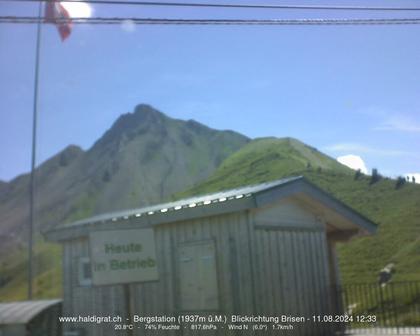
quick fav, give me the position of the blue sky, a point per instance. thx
(343, 89)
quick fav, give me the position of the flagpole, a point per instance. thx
(33, 159)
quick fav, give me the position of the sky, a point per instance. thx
(350, 91)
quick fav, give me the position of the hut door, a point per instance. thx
(198, 276)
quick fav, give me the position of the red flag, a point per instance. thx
(57, 14)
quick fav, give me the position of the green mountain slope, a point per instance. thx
(396, 211)
(146, 157)
(142, 159)
(266, 159)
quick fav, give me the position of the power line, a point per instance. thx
(227, 5)
(151, 21)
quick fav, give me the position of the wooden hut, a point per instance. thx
(247, 254)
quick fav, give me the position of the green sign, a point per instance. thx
(123, 256)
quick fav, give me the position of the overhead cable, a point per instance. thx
(230, 5)
(155, 21)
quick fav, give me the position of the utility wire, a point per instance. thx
(228, 5)
(151, 21)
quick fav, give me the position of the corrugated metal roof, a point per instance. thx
(249, 197)
(23, 311)
(223, 196)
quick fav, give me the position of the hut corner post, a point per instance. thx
(336, 300)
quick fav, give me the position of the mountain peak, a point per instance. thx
(128, 124)
(147, 113)
(146, 109)
(142, 114)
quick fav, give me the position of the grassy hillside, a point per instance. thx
(263, 160)
(48, 275)
(396, 211)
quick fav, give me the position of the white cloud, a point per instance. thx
(354, 162)
(415, 175)
(128, 25)
(399, 123)
(78, 9)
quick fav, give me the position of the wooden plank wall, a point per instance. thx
(88, 300)
(260, 271)
(230, 234)
(291, 272)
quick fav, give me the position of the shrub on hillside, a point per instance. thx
(375, 176)
(400, 182)
(357, 174)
